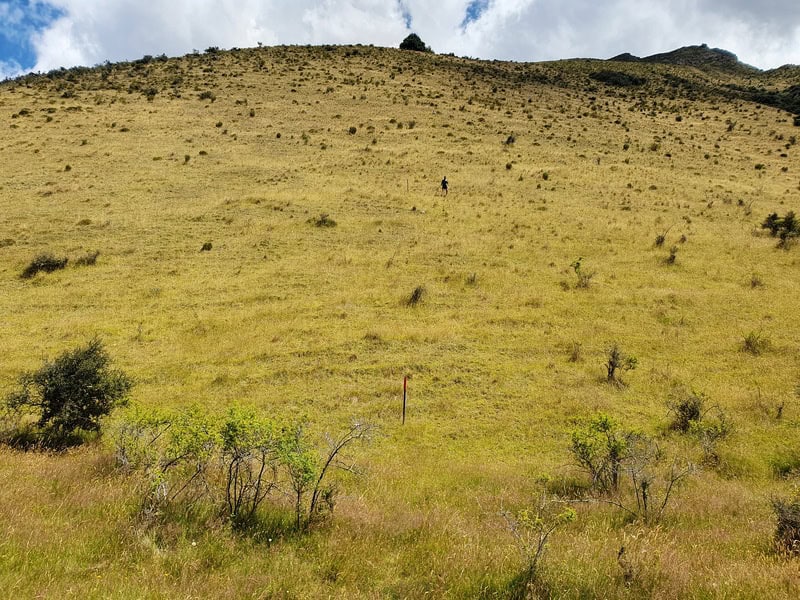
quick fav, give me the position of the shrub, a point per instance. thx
(234, 463)
(531, 530)
(787, 529)
(417, 295)
(71, 393)
(599, 448)
(584, 278)
(709, 433)
(88, 259)
(625, 468)
(250, 457)
(685, 411)
(323, 220)
(43, 262)
(786, 228)
(673, 255)
(618, 361)
(413, 42)
(618, 78)
(755, 343)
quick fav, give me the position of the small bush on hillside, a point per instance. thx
(626, 468)
(755, 343)
(584, 277)
(618, 78)
(787, 529)
(599, 447)
(531, 530)
(417, 295)
(786, 228)
(323, 220)
(413, 42)
(686, 410)
(616, 362)
(189, 458)
(68, 395)
(46, 263)
(88, 259)
(709, 432)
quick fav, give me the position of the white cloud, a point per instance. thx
(765, 34)
(9, 69)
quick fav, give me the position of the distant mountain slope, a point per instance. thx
(779, 88)
(700, 57)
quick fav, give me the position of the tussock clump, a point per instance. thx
(88, 259)
(323, 220)
(44, 262)
(787, 530)
(417, 296)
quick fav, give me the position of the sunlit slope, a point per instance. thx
(548, 163)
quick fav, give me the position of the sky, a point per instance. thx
(38, 35)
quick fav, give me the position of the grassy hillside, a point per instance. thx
(548, 163)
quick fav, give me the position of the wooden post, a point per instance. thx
(405, 386)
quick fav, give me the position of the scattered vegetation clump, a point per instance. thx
(616, 362)
(207, 95)
(415, 43)
(786, 228)
(88, 259)
(531, 530)
(626, 468)
(46, 263)
(618, 78)
(189, 458)
(755, 343)
(584, 278)
(787, 528)
(323, 220)
(417, 296)
(673, 255)
(709, 432)
(662, 237)
(687, 409)
(599, 448)
(67, 396)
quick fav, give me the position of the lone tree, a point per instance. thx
(413, 42)
(71, 393)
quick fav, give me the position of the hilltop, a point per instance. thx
(266, 231)
(701, 57)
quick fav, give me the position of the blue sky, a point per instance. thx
(19, 21)
(37, 35)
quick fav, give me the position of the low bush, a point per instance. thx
(67, 396)
(787, 228)
(189, 458)
(323, 220)
(417, 295)
(616, 362)
(46, 263)
(787, 529)
(88, 259)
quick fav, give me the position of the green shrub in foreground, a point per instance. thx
(68, 395)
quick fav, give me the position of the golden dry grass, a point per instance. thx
(310, 321)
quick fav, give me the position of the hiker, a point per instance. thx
(444, 186)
